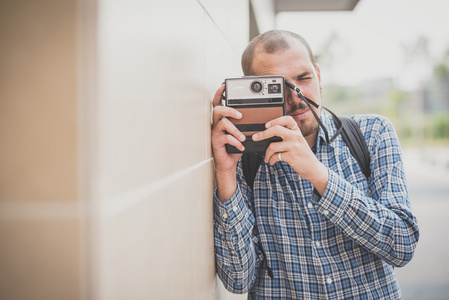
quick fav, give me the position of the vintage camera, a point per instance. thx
(260, 99)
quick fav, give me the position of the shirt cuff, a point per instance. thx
(336, 198)
(231, 212)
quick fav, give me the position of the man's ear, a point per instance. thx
(318, 72)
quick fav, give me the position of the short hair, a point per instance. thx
(273, 41)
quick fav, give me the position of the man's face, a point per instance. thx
(295, 65)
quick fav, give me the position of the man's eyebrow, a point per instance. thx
(303, 74)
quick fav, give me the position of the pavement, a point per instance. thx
(426, 277)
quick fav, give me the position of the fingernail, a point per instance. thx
(239, 114)
(268, 125)
(242, 137)
(255, 136)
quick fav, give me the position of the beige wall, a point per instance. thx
(40, 225)
(106, 181)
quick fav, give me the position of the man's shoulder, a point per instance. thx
(372, 123)
(376, 129)
(370, 119)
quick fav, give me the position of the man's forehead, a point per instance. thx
(290, 44)
(295, 46)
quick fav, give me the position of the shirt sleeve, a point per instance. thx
(236, 254)
(384, 223)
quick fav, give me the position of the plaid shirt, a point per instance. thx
(285, 241)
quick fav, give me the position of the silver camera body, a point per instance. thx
(260, 99)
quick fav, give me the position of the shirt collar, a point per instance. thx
(329, 123)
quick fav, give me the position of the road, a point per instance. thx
(426, 277)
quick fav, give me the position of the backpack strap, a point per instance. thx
(354, 139)
(250, 165)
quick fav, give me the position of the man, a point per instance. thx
(313, 226)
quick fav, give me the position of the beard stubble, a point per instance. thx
(307, 128)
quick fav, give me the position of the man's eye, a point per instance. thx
(303, 79)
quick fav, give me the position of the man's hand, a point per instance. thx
(224, 132)
(294, 150)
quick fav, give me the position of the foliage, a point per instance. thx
(419, 116)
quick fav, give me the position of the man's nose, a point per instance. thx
(291, 97)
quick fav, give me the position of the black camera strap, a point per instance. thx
(309, 103)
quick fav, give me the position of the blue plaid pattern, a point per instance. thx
(284, 241)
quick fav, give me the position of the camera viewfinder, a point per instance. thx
(274, 88)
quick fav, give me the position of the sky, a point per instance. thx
(371, 39)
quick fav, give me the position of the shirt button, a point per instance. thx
(317, 244)
(235, 208)
(225, 216)
(329, 280)
(325, 212)
(310, 205)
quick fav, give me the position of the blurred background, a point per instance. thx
(385, 57)
(106, 170)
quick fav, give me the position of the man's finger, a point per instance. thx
(227, 133)
(231, 140)
(273, 148)
(228, 127)
(224, 111)
(273, 131)
(286, 121)
(218, 96)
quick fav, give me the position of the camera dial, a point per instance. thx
(256, 86)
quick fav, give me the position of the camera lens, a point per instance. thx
(256, 86)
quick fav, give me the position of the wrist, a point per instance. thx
(226, 184)
(320, 178)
